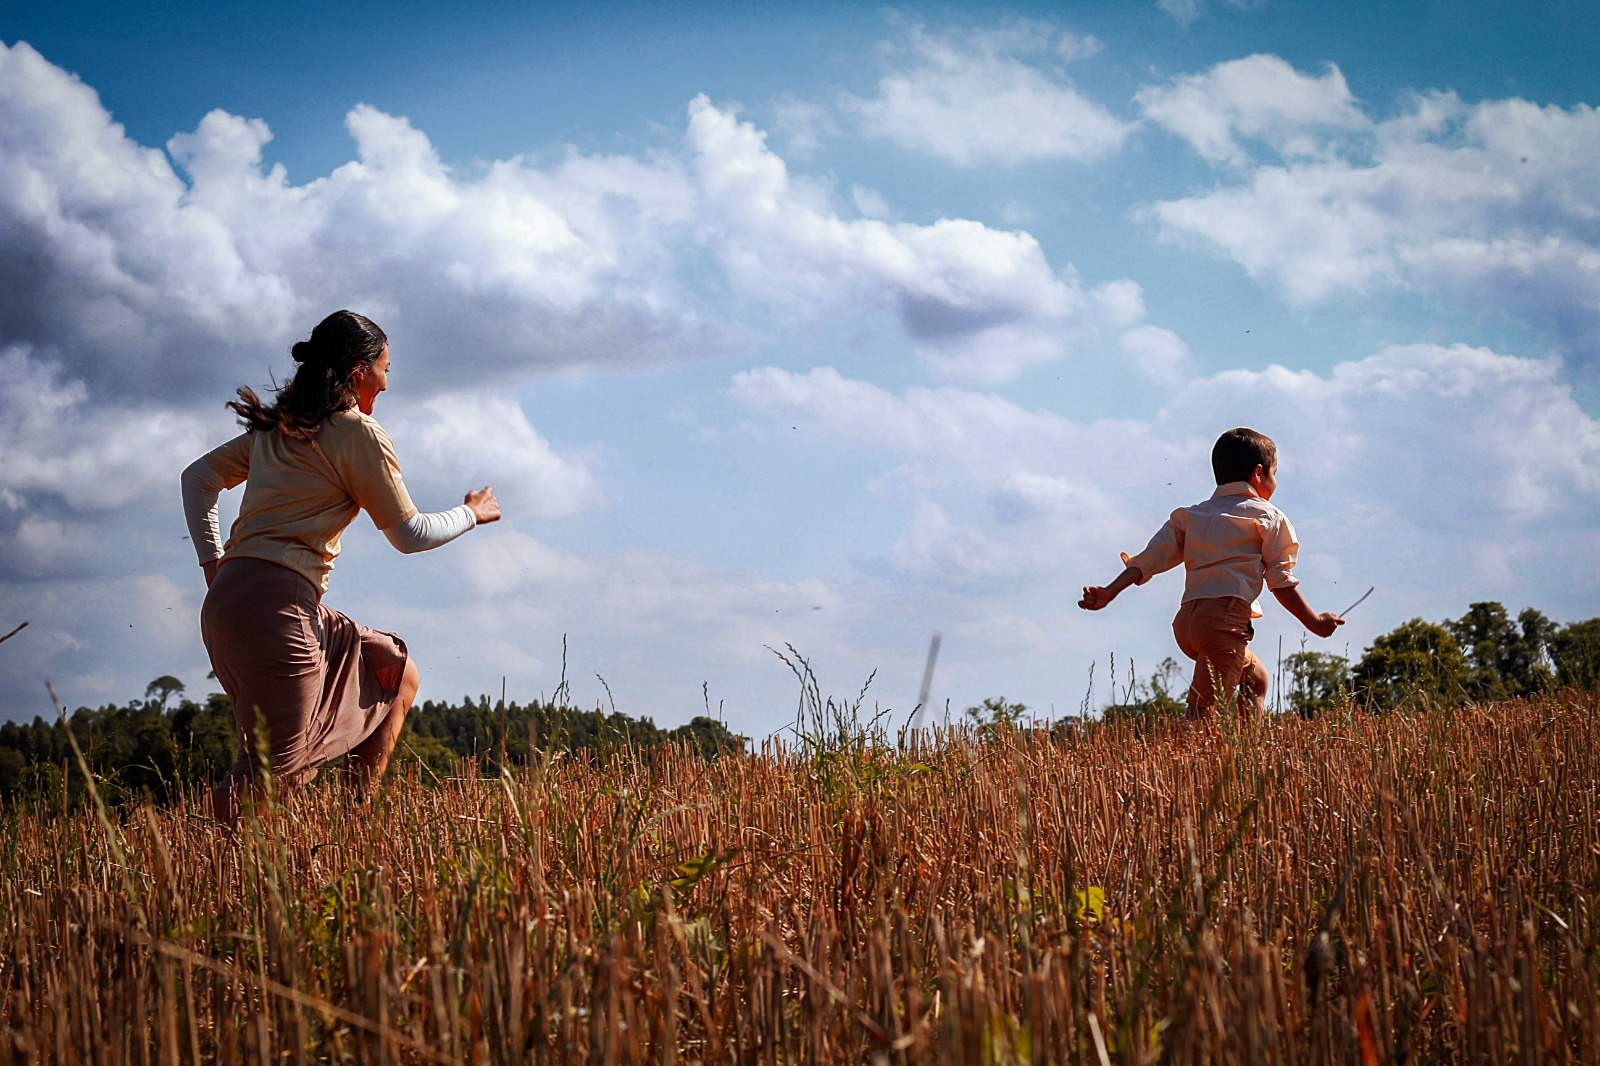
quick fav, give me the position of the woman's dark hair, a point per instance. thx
(342, 344)
(1238, 452)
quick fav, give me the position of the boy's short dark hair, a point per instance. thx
(1238, 452)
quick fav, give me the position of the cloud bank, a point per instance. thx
(151, 274)
(1486, 205)
(977, 303)
(1380, 437)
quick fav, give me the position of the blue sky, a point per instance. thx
(826, 326)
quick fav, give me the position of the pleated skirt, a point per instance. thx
(307, 683)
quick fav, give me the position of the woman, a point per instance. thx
(308, 684)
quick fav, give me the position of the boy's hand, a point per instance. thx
(1095, 597)
(1324, 624)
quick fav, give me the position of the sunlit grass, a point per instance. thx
(1119, 894)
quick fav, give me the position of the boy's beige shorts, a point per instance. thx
(1216, 634)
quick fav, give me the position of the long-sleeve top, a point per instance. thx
(300, 497)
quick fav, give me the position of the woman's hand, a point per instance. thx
(211, 569)
(483, 505)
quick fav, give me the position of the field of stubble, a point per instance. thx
(1414, 887)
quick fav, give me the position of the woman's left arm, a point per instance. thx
(423, 531)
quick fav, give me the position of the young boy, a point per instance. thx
(1229, 545)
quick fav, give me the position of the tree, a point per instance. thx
(1159, 697)
(996, 713)
(995, 716)
(1575, 650)
(144, 749)
(708, 736)
(1417, 659)
(12, 768)
(1537, 633)
(206, 736)
(163, 686)
(1318, 682)
(1504, 660)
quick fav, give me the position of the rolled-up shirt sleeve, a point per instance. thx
(1164, 551)
(1280, 549)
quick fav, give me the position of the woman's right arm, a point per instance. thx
(203, 482)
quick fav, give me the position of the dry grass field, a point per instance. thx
(1411, 887)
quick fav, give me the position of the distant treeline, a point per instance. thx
(145, 747)
(1483, 656)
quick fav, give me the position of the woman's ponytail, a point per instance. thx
(343, 344)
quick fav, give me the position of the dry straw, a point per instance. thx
(1408, 887)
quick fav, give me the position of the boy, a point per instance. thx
(1229, 545)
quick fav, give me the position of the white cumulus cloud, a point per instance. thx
(57, 446)
(1487, 207)
(1259, 98)
(1478, 441)
(175, 275)
(458, 441)
(1159, 354)
(990, 97)
(143, 282)
(978, 303)
(1458, 444)
(1184, 12)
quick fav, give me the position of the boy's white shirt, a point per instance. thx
(1230, 545)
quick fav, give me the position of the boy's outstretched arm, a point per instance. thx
(1096, 597)
(1322, 624)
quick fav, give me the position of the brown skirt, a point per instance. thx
(316, 683)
